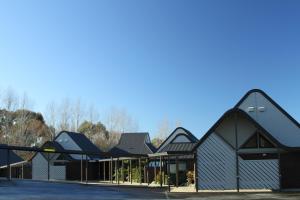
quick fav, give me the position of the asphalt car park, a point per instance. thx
(38, 190)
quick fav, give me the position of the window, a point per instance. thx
(264, 143)
(251, 142)
(257, 141)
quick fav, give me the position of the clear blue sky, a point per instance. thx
(183, 60)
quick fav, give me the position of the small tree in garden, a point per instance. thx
(190, 177)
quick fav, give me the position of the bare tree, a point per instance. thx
(51, 115)
(118, 120)
(163, 129)
(10, 99)
(93, 114)
(21, 122)
(178, 123)
(9, 103)
(65, 115)
(78, 114)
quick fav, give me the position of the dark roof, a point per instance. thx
(83, 142)
(131, 144)
(53, 144)
(237, 110)
(56, 146)
(177, 147)
(243, 113)
(287, 133)
(13, 157)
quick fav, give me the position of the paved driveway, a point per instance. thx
(33, 190)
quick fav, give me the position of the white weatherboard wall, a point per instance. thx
(216, 165)
(259, 174)
(216, 168)
(40, 169)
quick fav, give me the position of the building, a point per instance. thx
(129, 159)
(175, 158)
(60, 166)
(255, 145)
(11, 165)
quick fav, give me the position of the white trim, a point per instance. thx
(14, 164)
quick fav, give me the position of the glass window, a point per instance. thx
(251, 142)
(173, 168)
(264, 143)
(182, 166)
(258, 141)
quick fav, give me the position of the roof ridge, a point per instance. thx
(283, 111)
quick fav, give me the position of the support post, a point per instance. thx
(104, 169)
(81, 172)
(22, 175)
(123, 171)
(168, 171)
(164, 169)
(160, 171)
(99, 171)
(280, 178)
(155, 180)
(236, 154)
(86, 169)
(130, 163)
(8, 165)
(116, 171)
(111, 170)
(140, 170)
(144, 178)
(196, 171)
(48, 167)
(147, 171)
(177, 176)
(118, 179)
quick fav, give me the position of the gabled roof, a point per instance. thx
(232, 112)
(83, 142)
(178, 147)
(273, 137)
(13, 157)
(131, 144)
(53, 145)
(282, 126)
(168, 146)
(271, 100)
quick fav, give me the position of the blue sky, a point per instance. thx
(182, 60)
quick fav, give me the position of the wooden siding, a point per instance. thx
(40, 169)
(259, 174)
(216, 165)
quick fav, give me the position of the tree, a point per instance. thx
(162, 132)
(65, 115)
(93, 115)
(97, 133)
(51, 118)
(163, 129)
(156, 142)
(119, 121)
(9, 99)
(78, 114)
(9, 103)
